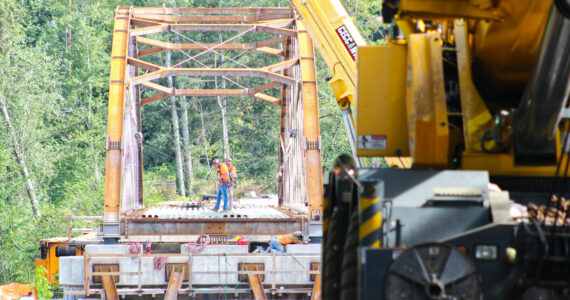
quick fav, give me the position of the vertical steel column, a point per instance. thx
(115, 124)
(283, 191)
(311, 123)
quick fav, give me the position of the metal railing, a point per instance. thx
(70, 229)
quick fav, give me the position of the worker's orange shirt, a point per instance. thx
(233, 172)
(286, 239)
(223, 173)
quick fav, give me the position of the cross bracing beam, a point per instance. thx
(236, 72)
(160, 46)
(163, 28)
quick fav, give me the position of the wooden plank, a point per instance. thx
(110, 288)
(173, 286)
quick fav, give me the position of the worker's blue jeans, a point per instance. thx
(222, 190)
(276, 246)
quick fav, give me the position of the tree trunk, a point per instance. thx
(185, 132)
(179, 168)
(30, 188)
(68, 29)
(89, 117)
(201, 111)
(222, 104)
(187, 149)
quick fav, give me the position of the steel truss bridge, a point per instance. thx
(288, 79)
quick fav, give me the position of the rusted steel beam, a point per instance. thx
(212, 72)
(209, 92)
(270, 51)
(110, 288)
(148, 77)
(278, 31)
(267, 98)
(255, 283)
(269, 42)
(313, 165)
(143, 22)
(165, 92)
(202, 46)
(173, 286)
(115, 121)
(282, 23)
(286, 64)
(149, 51)
(150, 29)
(317, 294)
(86, 271)
(159, 88)
(263, 87)
(154, 98)
(211, 27)
(261, 46)
(277, 11)
(142, 64)
(192, 18)
(230, 226)
(194, 46)
(281, 78)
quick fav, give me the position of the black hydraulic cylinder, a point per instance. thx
(544, 99)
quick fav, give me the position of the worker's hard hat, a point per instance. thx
(297, 233)
(215, 161)
(228, 159)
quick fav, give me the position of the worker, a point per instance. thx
(277, 242)
(233, 183)
(223, 182)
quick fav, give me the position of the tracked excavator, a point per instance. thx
(475, 92)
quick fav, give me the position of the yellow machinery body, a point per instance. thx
(479, 86)
(50, 257)
(401, 96)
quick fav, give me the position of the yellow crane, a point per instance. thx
(337, 39)
(475, 91)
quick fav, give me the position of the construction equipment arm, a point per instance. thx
(337, 38)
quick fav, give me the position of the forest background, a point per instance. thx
(54, 78)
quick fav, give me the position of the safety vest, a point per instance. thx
(223, 173)
(233, 172)
(286, 239)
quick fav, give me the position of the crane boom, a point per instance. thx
(337, 39)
